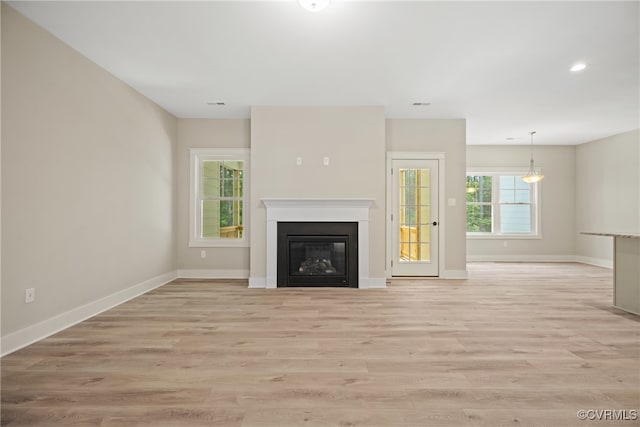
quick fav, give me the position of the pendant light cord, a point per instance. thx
(532, 133)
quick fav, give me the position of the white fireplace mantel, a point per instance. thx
(317, 210)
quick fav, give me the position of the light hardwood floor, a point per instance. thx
(515, 345)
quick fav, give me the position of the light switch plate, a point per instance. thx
(451, 202)
(29, 295)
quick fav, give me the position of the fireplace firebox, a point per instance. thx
(317, 254)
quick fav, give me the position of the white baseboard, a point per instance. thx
(373, 283)
(521, 258)
(454, 274)
(257, 282)
(23, 337)
(446, 274)
(598, 262)
(213, 274)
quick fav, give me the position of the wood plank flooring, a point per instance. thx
(514, 345)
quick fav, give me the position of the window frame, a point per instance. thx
(196, 157)
(535, 196)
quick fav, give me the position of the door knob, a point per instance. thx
(434, 223)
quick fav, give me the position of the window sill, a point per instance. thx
(504, 236)
(243, 243)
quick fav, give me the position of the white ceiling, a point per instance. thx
(504, 66)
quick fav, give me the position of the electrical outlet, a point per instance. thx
(29, 295)
(325, 161)
(505, 243)
(203, 254)
(299, 161)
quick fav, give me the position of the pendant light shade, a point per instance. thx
(534, 174)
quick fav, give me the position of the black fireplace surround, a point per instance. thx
(317, 254)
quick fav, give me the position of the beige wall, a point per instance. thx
(607, 193)
(207, 133)
(448, 137)
(556, 197)
(278, 176)
(88, 193)
(353, 139)
(1, 8)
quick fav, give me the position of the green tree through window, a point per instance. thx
(479, 208)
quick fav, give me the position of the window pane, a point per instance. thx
(485, 193)
(210, 219)
(479, 218)
(414, 213)
(406, 249)
(424, 234)
(221, 219)
(425, 214)
(210, 178)
(424, 177)
(408, 182)
(479, 188)
(226, 172)
(226, 187)
(473, 188)
(523, 196)
(507, 189)
(479, 198)
(507, 182)
(507, 196)
(425, 252)
(521, 185)
(226, 213)
(425, 196)
(410, 177)
(515, 219)
(410, 215)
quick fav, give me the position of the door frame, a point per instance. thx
(403, 155)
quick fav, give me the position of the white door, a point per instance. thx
(414, 218)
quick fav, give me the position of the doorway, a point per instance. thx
(414, 217)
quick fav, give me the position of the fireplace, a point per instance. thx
(317, 254)
(316, 210)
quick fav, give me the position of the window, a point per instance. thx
(501, 205)
(415, 214)
(218, 196)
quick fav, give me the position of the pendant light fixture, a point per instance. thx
(533, 175)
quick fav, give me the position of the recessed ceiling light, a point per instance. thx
(218, 103)
(421, 104)
(578, 66)
(314, 5)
